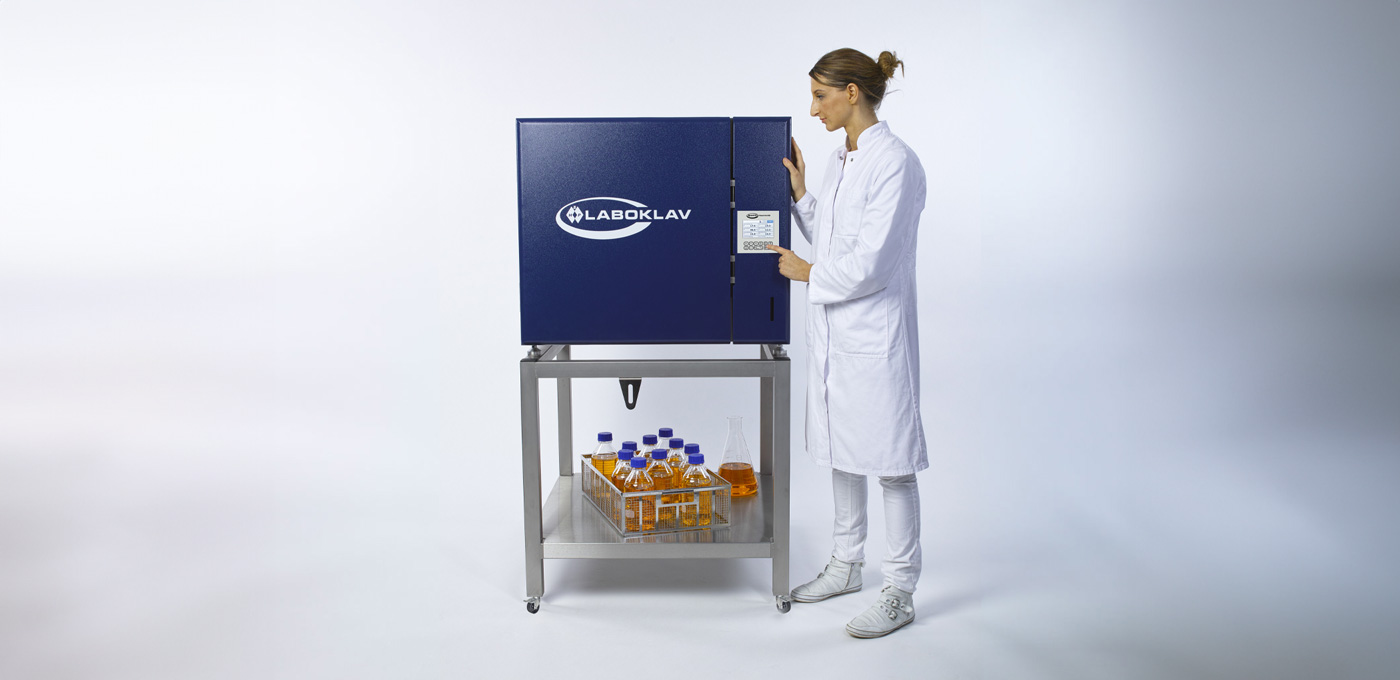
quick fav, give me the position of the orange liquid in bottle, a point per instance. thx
(641, 514)
(664, 478)
(606, 465)
(698, 514)
(619, 474)
(640, 511)
(740, 478)
(692, 516)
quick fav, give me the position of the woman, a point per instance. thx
(862, 332)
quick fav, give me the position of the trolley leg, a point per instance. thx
(775, 400)
(530, 456)
(566, 419)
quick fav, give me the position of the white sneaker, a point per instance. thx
(838, 578)
(893, 610)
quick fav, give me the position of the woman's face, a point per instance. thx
(831, 104)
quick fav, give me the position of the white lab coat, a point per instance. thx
(862, 322)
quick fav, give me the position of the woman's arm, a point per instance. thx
(804, 215)
(804, 206)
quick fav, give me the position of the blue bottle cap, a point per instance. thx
(697, 458)
(692, 448)
(677, 442)
(626, 453)
(604, 436)
(659, 454)
(639, 463)
(648, 440)
(665, 432)
(629, 445)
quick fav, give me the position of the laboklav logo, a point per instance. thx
(605, 220)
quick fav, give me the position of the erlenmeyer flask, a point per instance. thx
(737, 467)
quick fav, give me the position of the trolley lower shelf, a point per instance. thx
(573, 529)
(564, 525)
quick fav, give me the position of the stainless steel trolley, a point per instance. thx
(563, 526)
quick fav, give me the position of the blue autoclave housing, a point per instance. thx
(653, 230)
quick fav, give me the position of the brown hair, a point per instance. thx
(839, 68)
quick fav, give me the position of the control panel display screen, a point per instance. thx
(758, 229)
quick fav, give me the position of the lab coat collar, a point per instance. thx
(867, 138)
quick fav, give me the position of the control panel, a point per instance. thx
(757, 229)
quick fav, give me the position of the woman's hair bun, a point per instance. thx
(844, 67)
(888, 62)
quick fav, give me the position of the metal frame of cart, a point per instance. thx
(564, 527)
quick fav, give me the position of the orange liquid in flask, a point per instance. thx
(740, 478)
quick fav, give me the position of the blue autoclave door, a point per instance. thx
(632, 230)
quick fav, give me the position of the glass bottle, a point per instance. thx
(625, 445)
(603, 458)
(675, 457)
(623, 467)
(663, 477)
(696, 511)
(640, 512)
(648, 443)
(737, 467)
(608, 500)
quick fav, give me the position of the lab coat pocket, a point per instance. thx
(842, 245)
(849, 208)
(861, 327)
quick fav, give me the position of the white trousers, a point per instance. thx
(904, 558)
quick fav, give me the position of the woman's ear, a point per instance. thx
(852, 93)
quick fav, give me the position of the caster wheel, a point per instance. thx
(784, 606)
(532, 606)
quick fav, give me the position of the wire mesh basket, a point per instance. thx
(642, 513)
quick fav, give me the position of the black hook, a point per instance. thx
(631, 399)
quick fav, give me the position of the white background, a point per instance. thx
(259, 338)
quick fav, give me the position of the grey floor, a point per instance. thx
(210, 493)
(195, 547)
